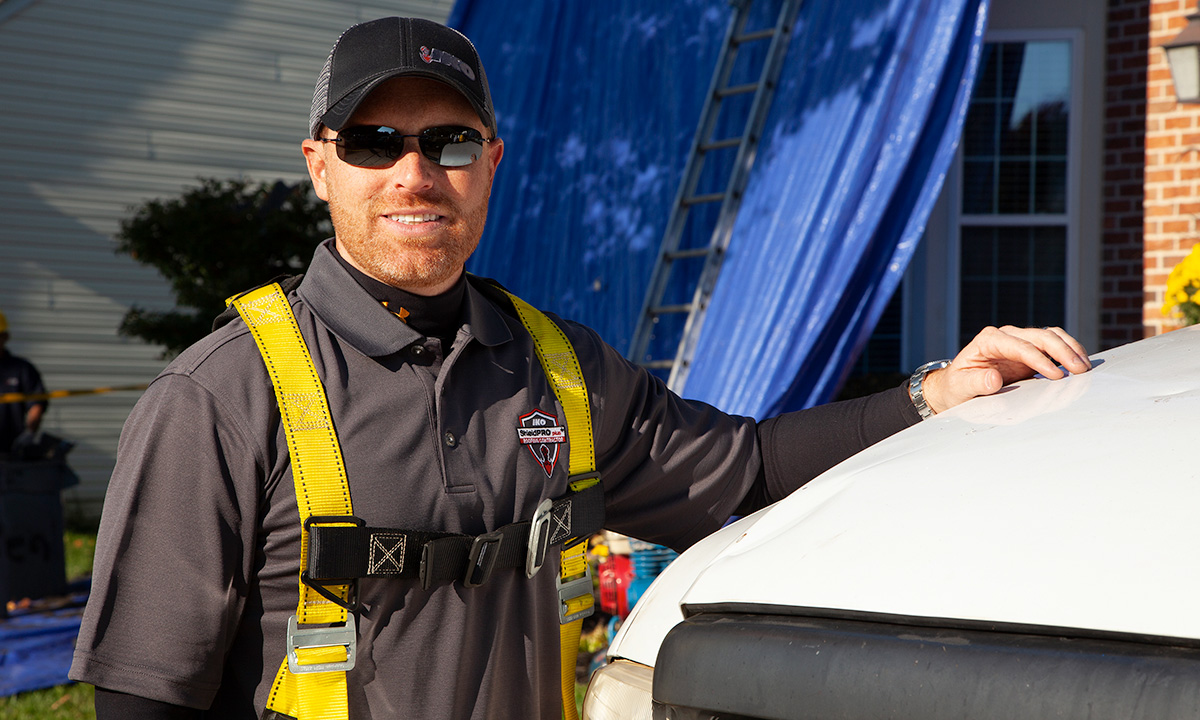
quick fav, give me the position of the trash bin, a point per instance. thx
(32, 560)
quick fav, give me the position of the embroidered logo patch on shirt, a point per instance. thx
(541, 433)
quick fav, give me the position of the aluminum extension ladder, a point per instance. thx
(671, 256)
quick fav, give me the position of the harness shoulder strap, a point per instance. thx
(575, 598)
(311, 681)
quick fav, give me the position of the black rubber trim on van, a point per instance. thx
(768, 666)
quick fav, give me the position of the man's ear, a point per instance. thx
(314, 155)
(496, 151)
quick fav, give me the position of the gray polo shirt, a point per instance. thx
(197, 557)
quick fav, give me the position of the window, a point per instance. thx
(1014, 220)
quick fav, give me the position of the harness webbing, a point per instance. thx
(321, 490)
(561, 366)
(312, 683)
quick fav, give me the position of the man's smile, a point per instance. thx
(414, 219)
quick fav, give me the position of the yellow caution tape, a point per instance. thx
(37, 397)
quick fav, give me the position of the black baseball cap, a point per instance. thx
(370, 53)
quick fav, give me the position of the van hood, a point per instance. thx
(1064, 504)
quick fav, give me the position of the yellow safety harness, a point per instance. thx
(321, 636)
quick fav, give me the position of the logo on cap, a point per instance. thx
(445, 58)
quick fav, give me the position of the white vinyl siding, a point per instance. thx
(108, 104)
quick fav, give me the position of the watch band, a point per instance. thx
(916, 387)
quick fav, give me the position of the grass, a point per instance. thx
(65, 702)
(80, 548)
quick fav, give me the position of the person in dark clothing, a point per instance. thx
(19, 418)
(433, 383)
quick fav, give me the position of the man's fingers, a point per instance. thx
(1043, 349)
(1076, 347)
(998, 356)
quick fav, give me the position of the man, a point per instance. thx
(429, 375)
(18, 375)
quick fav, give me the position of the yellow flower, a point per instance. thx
(1182, 296)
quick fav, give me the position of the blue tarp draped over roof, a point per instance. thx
(598, 103)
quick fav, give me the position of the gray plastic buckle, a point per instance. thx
(321, 636)
(539, 538)
(572, 589)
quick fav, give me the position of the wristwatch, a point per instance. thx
(916, 386)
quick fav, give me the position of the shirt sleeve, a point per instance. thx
(796, 447)
(673, 470)
(175, 549)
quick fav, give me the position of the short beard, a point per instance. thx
(417, 266)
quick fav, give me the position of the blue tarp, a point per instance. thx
(36, 644)
(598, 104)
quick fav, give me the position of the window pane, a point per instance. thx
(1011, 58)
(1013, 188)
(1049, 304)
(977, 309)
(1018, 122)
(1050, 187)
(1011, 276)
(979, 188)
(1052, 130)
(1016, 134)
(979, 132)
(982, 258)
(1013, 256)
(1050, 260)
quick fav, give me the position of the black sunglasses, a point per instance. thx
(375, 146)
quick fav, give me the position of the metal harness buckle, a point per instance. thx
(577, 589)
(322, 636)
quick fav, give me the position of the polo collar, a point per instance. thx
(350, 312)
(485, 322)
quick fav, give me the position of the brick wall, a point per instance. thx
(1172, 177)
(1121, 292)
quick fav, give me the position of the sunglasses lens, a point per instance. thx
(451, 146)
(369, 147)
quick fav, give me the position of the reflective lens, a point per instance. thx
(372, 146)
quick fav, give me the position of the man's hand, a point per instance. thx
(999, 356)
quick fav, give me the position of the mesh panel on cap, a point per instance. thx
(320, 97)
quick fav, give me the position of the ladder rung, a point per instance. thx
(670, 309)
(701, 199)
(756, 35)
(685, 254)
(721, 144)
(737, 90)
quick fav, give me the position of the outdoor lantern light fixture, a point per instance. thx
(1183, 55)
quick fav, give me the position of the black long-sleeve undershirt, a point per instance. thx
(797, 447)
(112, 705)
